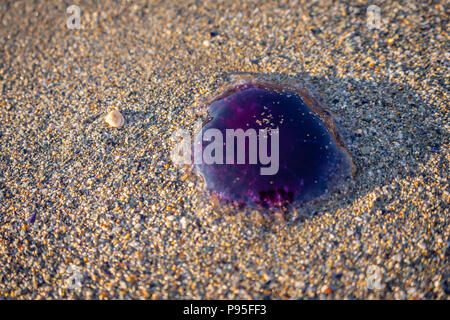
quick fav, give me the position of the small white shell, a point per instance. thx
(115, 119)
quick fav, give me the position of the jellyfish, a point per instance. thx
(268, 143)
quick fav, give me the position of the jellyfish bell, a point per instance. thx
(270, 144)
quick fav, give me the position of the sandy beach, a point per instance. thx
(88, 211)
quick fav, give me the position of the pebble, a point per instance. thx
(365, 150)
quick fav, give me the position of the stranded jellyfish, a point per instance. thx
(270, 144)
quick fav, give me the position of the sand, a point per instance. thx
(93, 212)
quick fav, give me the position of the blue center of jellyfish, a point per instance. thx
(310, 163)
